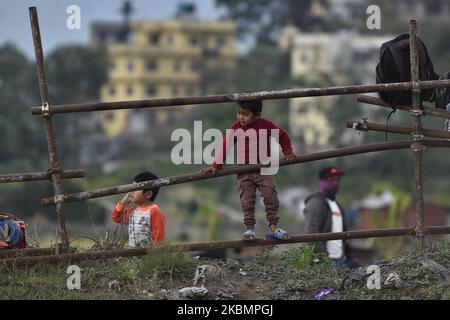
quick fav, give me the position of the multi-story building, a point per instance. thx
(437, 11)
(316, 54)
(160, 59)
(345, 58)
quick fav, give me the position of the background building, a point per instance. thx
(436, 11)
(318, 54)
(344, 58)
(160, 59)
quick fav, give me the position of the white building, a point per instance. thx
(332, 53)
(437, 11)
(346, 58)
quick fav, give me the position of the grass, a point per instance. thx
(297, 273)
(421, 277)
(108, 279)
(303, 257)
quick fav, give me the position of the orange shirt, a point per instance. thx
(157, 219)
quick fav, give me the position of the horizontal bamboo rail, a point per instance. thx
(163, 182)
(234, 97)
(366, 126)
(428, 111)
(8, 253)
(224, 172)
(39, 176)
(74, 257)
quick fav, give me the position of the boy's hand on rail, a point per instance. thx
(208, 170)
(292, 157)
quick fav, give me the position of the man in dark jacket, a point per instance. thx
(324, 214)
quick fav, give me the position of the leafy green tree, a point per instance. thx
(396, 218)
(208, 212)
(75, 74)
(263, 18)
(262, 68)
(17, 127)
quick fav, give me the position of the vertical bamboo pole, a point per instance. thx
(416, 146)
(49, 130)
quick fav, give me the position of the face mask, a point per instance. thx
(329, 188)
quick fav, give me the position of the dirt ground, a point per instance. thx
(293, 274)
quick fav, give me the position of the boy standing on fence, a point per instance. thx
(257, 132)
(146, 222)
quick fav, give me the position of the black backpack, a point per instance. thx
(394, 66)
(441, 96)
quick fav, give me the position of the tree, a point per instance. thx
(397, 216)
(262, 68)
(17, 91)
(208, 211)
(263, 18)
(75, 75)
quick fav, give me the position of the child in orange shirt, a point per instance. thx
(146, 222)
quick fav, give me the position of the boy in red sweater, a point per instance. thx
(146, 222)
(255, 128)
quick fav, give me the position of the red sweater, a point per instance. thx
(260, 123)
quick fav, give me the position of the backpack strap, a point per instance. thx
(394, 109)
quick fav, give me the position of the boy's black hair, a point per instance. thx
(254, 106)
(147, 176)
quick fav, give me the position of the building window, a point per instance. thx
(221, 41)
(177, 66)
(131, 37)
(152, 65)
(129, 90)
(302, 111)
(152, 91)
(110, 116)
(194, 41)
(154, 38)
(190, 91)
(170, 40)
(175, 91)
(304, 58)
(112, 91)
(102, 36)
(362, 56)
(195, 66)
(130, 66)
